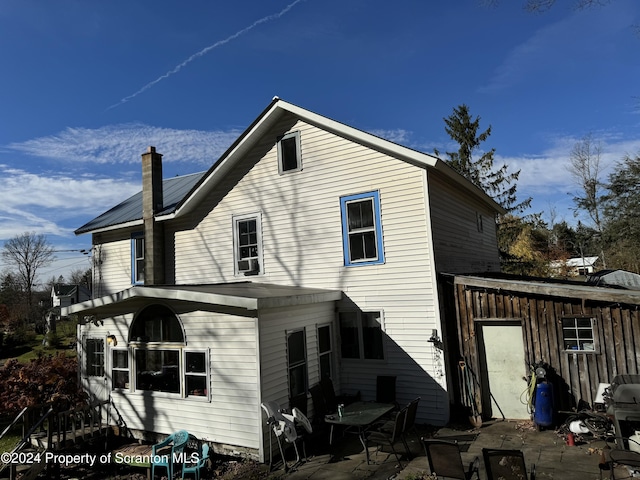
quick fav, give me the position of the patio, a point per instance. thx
(549, 452)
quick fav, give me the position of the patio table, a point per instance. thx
(359, 415)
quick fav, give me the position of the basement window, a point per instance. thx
(578, 334)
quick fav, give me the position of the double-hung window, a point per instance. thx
(361, 335)
(578, 335)
(196, 373)
(247, 239)
(297, 362)
(361, 229)
(325, 351)
(120, 369)
(137, 258)
(94, 357)
(289, 157)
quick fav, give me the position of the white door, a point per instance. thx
(505, 368)
(93, 374)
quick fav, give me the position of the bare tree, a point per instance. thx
(28, 253)
(586, 170)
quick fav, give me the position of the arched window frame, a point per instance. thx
(163, 353)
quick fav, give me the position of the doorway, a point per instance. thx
(502, 369)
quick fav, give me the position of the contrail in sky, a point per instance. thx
(206, 50)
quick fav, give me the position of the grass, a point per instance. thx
(11, 439)
(65, 335)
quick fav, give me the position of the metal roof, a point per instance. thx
(173, 191)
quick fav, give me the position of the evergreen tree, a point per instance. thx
(477, 165)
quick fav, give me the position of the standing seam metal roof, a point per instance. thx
(173, 191)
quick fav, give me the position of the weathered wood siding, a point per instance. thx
(302, 240)
(616, 331)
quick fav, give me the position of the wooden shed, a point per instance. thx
(502, 325)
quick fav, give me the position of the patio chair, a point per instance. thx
(197, 467)
(445, 461)
(386, 437)
(410, 423)
(178, 441)
(319, 405)
(506, 464)
(282, 425)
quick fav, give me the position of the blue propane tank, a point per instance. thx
(543, 406)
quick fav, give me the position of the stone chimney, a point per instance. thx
(152, 203)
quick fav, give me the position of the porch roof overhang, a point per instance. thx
(242, 295)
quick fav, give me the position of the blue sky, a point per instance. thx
(85, 87)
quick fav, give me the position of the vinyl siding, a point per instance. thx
(273, 326)
(232, 417)
(459, 246)
(302, 241)
(112, 263)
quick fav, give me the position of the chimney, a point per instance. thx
(152, 203)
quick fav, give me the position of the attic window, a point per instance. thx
(289, 158)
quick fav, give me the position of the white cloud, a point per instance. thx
(38, 203)
(397, 135)
(125, 143)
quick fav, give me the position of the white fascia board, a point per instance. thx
(118, 226)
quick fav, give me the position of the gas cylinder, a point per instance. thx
(543, 406)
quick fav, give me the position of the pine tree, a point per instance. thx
(477, 165)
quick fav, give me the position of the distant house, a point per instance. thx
(63, 294)
(309, 249)
(574, 267)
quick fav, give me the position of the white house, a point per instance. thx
(64, 294)
(574, 267)
(309, 248)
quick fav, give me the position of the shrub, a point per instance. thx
(46, 380)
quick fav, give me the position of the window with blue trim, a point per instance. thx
(137, 259)
(361, 229)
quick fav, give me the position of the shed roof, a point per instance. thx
(550, 287)
(242, 295)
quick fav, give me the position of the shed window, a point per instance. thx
(577, 333)
(361, 229)
(289, 158)
(361, 335)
